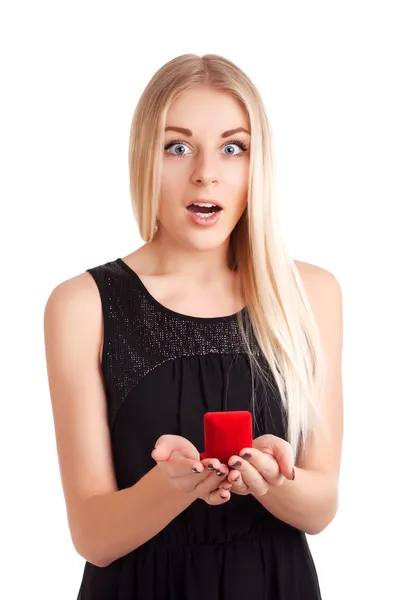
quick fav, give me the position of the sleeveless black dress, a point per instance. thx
(162, 371)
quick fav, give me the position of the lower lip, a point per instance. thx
(205, 221)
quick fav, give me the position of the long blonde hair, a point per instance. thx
(279, 311)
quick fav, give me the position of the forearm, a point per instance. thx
(308, 503)
(114, 524)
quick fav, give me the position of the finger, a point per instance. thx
(257, 485)
(211, 481)
(218, 496)
(265, 464)
(166, 444)
(238, 485)
(212, 464)
(178, 465)
(225, 485)
(280, 449)
(182, 467)
(227, 488)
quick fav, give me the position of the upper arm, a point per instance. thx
(73, 334)
(324, 449)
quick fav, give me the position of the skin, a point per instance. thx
(206, 166)
(194, 259)
(184, 255)
(184, 268)
(189, 257)
(265, 464)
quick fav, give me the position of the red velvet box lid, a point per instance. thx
(226, 433)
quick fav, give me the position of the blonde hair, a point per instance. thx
(279, 311)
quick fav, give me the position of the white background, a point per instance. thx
(71, 74)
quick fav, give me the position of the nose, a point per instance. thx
(204, 170)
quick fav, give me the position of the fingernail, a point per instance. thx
(219, 473)
(224, 496)
(195, 470)
(293, 474)
(247, 455)
(211, 467)
(237, 478)
(237, 464)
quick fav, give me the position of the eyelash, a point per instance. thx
(241, 145)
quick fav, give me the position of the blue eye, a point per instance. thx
(175, 144)
(180, 143)
(240, 144)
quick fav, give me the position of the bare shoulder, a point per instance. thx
(80, 288)
(324, 294)
(322, 288)
(73, 332)
(76, 302)
(314, 274)
(325, 298)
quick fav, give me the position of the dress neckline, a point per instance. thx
(169, 311)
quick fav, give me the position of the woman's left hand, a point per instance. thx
(266, 464)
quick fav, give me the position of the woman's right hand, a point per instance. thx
(180, 462)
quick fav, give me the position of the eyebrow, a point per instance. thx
(189, 133)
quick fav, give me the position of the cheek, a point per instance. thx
(239, 187)
(237, 176)
(172, 191)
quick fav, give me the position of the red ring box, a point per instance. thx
(226, 433)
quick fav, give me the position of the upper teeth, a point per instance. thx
(204, 204)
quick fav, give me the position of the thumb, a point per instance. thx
(279, 449)
(169, 444)
(164, 447)
(161, 452)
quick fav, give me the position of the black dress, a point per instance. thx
(162, 371)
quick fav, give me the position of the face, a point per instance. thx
(207, 162)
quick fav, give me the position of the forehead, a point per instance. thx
(206, 109)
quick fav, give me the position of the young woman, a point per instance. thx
(210, 314)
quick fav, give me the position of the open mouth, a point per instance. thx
(203, 210)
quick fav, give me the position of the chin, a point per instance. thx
(196, 237)
(206, 240)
